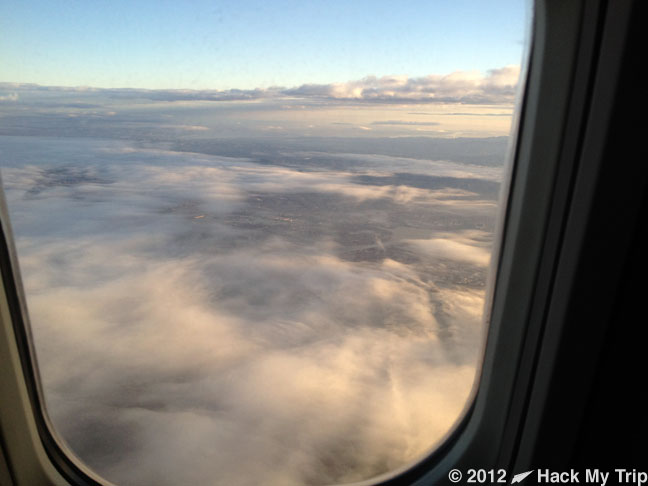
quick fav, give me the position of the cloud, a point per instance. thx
(189, 128)
(201, 319)
(461, 247)
(315, 393)
(386, 164)
(406, 123)
(9, 97)
(496, 86)
(474, 114)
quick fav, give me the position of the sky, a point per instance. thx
(251, 44)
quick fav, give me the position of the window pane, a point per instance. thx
(255, 250)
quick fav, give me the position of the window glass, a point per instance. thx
(255, 237)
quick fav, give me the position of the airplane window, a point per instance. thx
(255, 238)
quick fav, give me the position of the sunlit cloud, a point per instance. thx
(495, 86)
(406, 123)
(313, 318)
(8, 97)
(204, 371)
(459, 247)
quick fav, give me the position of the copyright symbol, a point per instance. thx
(455, 475)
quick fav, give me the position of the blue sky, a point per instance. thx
(250, 43)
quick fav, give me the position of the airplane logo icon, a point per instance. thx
(520, 477)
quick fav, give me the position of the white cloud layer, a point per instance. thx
(212, 320)
(495, 86)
